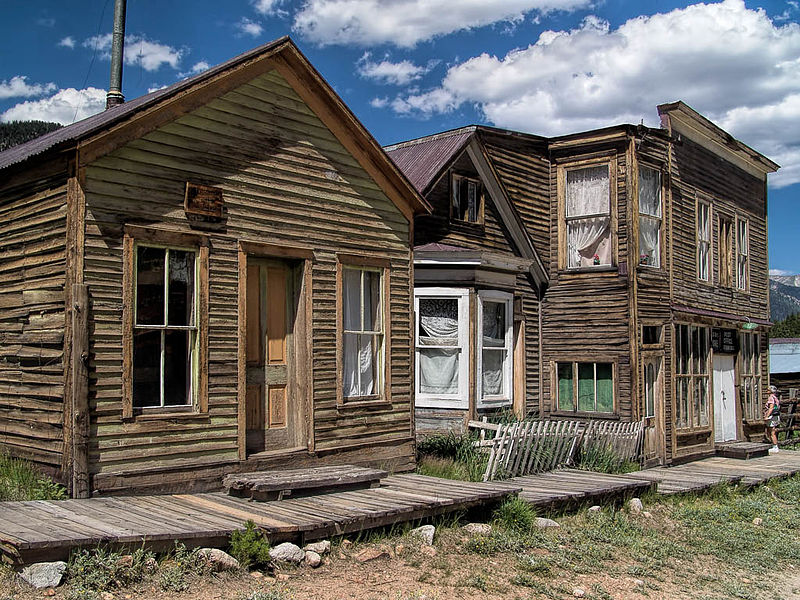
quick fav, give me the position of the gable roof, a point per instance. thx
(101, 133)
(425, 160)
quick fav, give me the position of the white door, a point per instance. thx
(724, 399)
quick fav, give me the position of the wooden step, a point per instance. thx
(276, 485)
(742, 450)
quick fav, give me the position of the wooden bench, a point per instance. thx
(276, 485)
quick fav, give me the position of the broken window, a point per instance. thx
(466, 196)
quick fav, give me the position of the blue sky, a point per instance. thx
(412, 67)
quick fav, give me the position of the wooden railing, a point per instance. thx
(525, 447)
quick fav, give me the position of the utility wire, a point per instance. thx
(91, 63)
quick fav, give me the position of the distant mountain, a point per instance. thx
(784, 296)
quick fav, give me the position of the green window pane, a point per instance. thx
(586, 387)
(605, 388)
(565, 387)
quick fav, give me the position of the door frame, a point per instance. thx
(659, 403)
(736, 417)
(302, 342)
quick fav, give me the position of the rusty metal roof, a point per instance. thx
(422, 160)
(69, 135)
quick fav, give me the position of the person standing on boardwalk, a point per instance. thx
(772, 417)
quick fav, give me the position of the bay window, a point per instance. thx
(692, 345)
(362, 332)
(495, 322)
(587, 216)
(650, 212)
(585, 387)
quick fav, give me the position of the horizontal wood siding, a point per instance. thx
(285, 179)
(33, 222)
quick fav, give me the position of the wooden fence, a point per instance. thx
(524, 447)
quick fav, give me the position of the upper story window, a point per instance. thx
(363, 333)
(587, 216)
(164, 327)
(742, 254)
(703, 241)
(466, 199)
(650, 212)
(725, 253)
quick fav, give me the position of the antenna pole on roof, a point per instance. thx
(114, 95)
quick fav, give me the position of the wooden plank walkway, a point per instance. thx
(49, 530)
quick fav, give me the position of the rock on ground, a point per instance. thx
(578, 592)
(372, 554)
(287, 552)
(758, 521)
(424, 533)
(44, 575)
(219, 560)
(594, 509)
(478, 528)
(543, 523)
(320, 548)
(635, 506)
(313, 559)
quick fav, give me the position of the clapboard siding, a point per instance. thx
(286, 179)
(33, 224)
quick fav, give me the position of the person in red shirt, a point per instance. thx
(772, 417)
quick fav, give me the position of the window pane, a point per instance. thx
(649, 242)
(649, 192)
(605, 388)
(565, 387)
(472, 212)
(684, 401)
(146, 368)
(586, 387)
(359, 364)
(650, 390)
(372, 301)
(150, 285)
(438, 370)
(588, 191)
(181, 287)
(492, 376)
(589, 242)
(177, 368)
(494, 324)
(351, 300)
(438, 321)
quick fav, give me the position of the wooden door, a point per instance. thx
(654, 431)
(724, 398)
(269, 411)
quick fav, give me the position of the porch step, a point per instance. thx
(742, 450)
(276, 485)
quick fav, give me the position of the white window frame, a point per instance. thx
(508, 364)
(194, 330)
(742, 255)
(645, 217)
(461, 399)
(569, 219)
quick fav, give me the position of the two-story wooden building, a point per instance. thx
(654, 244)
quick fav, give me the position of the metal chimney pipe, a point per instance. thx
(114, 95)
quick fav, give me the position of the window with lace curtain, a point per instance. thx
(650, 212)
(587, 216)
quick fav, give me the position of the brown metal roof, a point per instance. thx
(67, 136)
(422, 160)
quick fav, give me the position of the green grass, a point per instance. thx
(90, 572)
(450, 456)
(515, 514)
(601, 458)
(249, 547)
(20, 480)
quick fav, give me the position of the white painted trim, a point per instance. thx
(508, 364)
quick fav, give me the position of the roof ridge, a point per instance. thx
(432, 137)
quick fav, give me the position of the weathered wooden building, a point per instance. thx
(213, 277)
(655, 301)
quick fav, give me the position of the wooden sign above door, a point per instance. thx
(203, 202)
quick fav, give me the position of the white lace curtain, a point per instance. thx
(588, 196)
(438, 326)
(360, 349)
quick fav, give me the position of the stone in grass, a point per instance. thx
(313, 559)
(371, 554)
(288, 553)
(758, 521)
(478, 528)
(322, 548)
(543, 523)
(44, 575)
(594, 509)
(219, 560)
(424, 533)
(579, 592)
(635, 506)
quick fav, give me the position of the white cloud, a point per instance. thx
(406, 22)
(268, 7)
(138, 51)
(198, 67)
(379, 102)
(155, 87)
(249, 27)
(65, 107)
(18, 87)
(780, 273)
(385, 71)
(67, 42)
(732, 64)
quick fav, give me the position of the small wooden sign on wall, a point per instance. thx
(203, 202)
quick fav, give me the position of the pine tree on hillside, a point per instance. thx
(788, 328)
(18, 132)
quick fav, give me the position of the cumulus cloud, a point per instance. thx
(379, 102)
(268, 7)
(385, 71)
(138, 51)
(67, 42)
(18, 87)
(65, 107)
(406, 22)
(198, 67)
(731, 63)
(249, 27)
